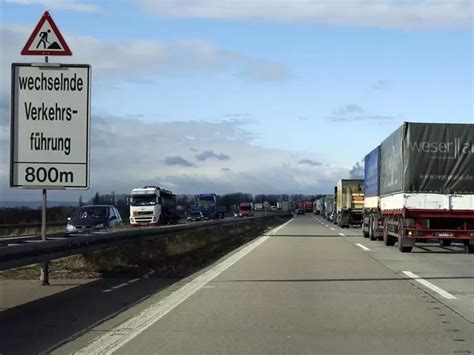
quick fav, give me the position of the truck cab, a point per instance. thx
(151, 205)
(245, 209)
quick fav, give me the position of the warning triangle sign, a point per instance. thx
(46, 39)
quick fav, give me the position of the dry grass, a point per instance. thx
(175, 255)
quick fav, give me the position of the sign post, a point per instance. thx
(50, 120)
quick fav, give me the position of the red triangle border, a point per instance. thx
(43, 19)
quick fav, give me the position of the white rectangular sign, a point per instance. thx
(50, 126)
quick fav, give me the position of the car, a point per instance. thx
(87, 219)
(299, 211)
(195, 216)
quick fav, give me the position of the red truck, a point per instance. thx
(306, 205)
(245, 209)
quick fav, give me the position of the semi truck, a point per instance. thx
(318, 206)
(151, 205)
(372, 225)
(328, 206)
(208, 205)
(349, 202)
(426, 185)
(283, 206)
(306, 205)
(245, 209)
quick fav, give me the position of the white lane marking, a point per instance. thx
(362, 246)
(331, 228)
(326, 225)
(119, 336)
(428, 284)
(273, 231)
(341, 234)
(121, 285)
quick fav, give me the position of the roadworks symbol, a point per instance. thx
(46, 39)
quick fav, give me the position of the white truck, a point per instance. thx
(151, 205)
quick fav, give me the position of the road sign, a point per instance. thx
(46, 39)
(50, 126)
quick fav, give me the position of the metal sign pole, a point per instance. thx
(44, 274)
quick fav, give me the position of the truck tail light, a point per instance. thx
(410, 233)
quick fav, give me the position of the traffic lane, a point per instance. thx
(306, 295)
(449, 268)
(35, 318)
(307, 226)
(351, 231)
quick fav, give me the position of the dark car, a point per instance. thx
(195, 216)
(88, 219)
(299, 211)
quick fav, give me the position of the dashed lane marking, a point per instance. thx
(342, 234)
(331, 228)
(362, 247)
(431, 286)
(115, 338)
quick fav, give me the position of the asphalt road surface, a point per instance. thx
(307, 287)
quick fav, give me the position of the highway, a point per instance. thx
(305, 287)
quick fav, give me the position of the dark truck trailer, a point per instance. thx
(349, 202)
(208, 205)
(372, 224)
(427, 184)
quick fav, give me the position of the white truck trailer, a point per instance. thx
(426, 185)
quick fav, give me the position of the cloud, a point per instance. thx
(179, 161)
(381, 85)
(303, 118)
(208, 154)
(142, 61)
(310, 162)
(70, 5)
(352, 112)
(265, 72)
(348, 110)
(237, 115)
(357, 171)
(115, 166)
(426, 14)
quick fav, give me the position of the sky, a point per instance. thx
(251, 96)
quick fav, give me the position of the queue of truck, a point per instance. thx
(418, 186)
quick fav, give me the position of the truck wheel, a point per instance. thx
(366, 235)
(445, 242)
(468, 247)
(371, 234)
(405, 245)
(388, 240)
(405, 249)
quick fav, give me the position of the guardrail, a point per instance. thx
(7, 230)
(36, 251)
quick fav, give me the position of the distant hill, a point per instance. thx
(36, 204)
